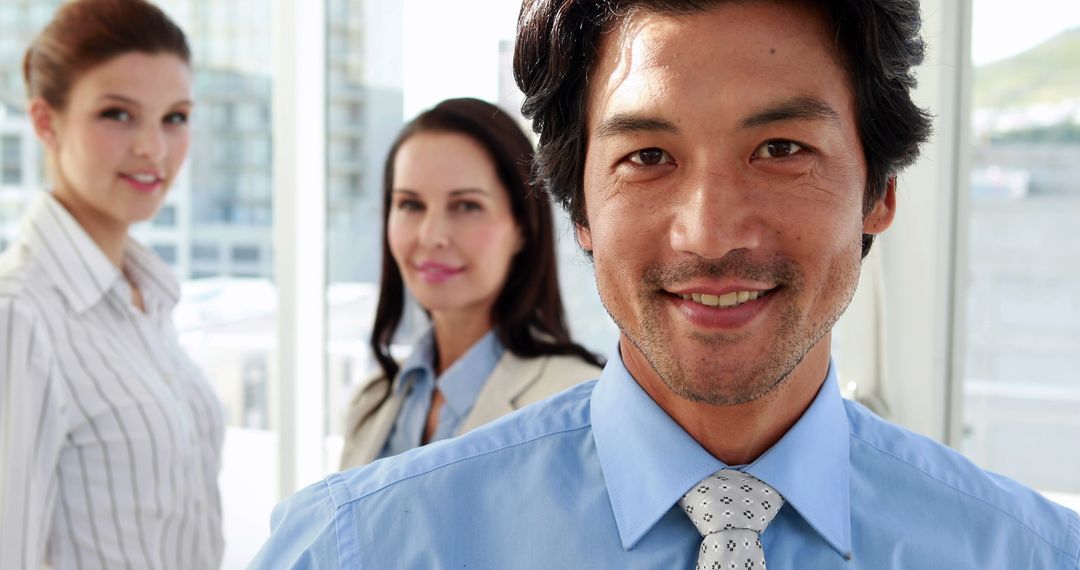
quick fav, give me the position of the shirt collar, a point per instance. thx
(78, 267)
(68, 254)
(649, 461)
(418, 362)
(155, 279)
(461, 383)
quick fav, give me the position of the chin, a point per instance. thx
(434, 302)
(140, 216)
(728, 385)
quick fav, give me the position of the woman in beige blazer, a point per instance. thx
(472, 239)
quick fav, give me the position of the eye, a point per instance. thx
(116, 115)
(467, 206)
(650, 157)
(777, 148)
(178, 118)
(409, 205)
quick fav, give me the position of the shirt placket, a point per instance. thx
(146, 334)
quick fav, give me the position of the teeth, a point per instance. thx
(144, 178)
(728, 300)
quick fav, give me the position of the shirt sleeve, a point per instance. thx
(32, 431)
(303, 533)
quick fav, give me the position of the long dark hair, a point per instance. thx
(527, 315)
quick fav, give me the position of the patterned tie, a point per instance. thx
(731, 509)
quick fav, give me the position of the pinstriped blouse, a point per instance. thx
(110, 437)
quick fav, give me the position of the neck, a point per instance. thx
(109, 235)
(456, 332)
(738, 434)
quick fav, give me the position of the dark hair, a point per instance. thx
(528, 313)
(557, 44)
(87, 33)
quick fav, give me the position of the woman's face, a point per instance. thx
(122, 138)
(451, 229)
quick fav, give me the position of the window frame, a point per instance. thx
(925, 252)
(299, 227)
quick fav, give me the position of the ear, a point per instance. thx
(881, 217)
(584, 237)
(45, 119)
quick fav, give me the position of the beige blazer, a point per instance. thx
(515, 382)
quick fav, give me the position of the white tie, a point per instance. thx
(731, 509)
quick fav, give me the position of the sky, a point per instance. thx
(1002, 28)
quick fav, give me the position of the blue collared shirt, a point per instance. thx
(460, 385)
(590, 478)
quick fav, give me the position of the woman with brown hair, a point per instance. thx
(110, 437)
(472, 240)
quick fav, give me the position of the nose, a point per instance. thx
(150, 143)
(434, 230)
(716, 213)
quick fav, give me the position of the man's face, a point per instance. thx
(724, 184)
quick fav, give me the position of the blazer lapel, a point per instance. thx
(371, 417)
(511, 376)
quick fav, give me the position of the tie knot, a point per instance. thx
(730, 499)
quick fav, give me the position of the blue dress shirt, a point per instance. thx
(590, 477)
(460, 384)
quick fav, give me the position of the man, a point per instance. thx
(726, 165)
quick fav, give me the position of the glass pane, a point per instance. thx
(216, 224)
(214, 228)
(21, 172)
(221, 228)
(386, 63)
(1022, 389)
(364, 99)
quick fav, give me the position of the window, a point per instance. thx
(226, 316)
(166, 216)
(385, 62)
(256, 402)
(11, 163)
(378, 101)
(204, 252)
(20, 160)
(226, 324)
(1021, 390)
(166, 252)
(245, 254)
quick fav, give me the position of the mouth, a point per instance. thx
(727, 300)
(730, 310)
(143, 181)
(435, 273)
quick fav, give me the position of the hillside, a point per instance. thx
(1047, 73)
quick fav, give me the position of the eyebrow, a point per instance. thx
(135, 103)
(458, 192)
(798, 108)
(468, 191)
(625, 123)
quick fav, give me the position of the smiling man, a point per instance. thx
(727, 164)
